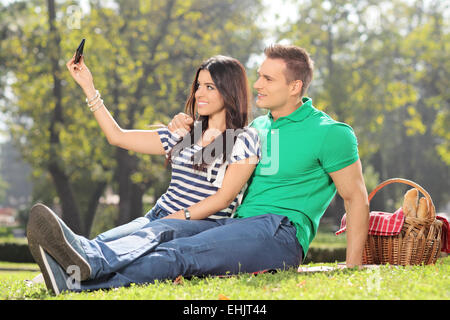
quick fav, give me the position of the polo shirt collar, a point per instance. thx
(300, 114)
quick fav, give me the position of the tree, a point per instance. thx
(143, 56)
(382, 67)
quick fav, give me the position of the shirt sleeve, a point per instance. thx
(247, 145)
(339, 148)
(168, 139)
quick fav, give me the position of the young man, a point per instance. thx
(306, 157)
(314, 155)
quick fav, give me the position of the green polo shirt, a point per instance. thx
(292, 178)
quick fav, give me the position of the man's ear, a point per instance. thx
(296, 87)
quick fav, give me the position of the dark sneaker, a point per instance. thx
(45, 229)
(56, 279)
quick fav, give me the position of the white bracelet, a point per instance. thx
(93, 109)
(93, 103)
(97, 94)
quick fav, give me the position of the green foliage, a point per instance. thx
(6, 232)
(3, 189)
(440, 128)
(383, 68)
(143, 57)
(104, 219)
(371, 177)
(15, 250)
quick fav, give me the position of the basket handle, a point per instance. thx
(411, 183)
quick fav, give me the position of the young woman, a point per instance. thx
(199, 187)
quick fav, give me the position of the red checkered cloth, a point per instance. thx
(381, 223)
(390, 224)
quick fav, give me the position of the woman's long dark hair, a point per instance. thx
(230, 79)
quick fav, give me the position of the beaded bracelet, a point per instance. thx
(93, 109)
(94, 102)
(97, 94)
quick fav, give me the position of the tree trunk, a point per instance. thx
(92, 207)
(125, 166)
(130, 194)
(136, 209)
(70, 210)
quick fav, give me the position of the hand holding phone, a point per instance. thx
(79, 51)
(79, 71)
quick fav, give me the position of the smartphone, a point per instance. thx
(79, 52)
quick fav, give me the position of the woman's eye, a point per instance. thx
(210, 87)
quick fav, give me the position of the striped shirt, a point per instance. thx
(189, 186)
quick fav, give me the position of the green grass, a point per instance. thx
(329, 240)
(387, 282)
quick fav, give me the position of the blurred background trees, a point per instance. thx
(381, 66)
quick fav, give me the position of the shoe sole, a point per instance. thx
(45, 231)
(38, 254)
(50, 282)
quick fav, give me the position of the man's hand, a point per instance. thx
(181, 124)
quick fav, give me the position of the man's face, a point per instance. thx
(271, 86)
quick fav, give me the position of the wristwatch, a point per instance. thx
(187, 214)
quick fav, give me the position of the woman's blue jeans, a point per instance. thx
(154, 214)
(167, 248)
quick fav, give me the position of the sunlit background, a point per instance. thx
(381, 66)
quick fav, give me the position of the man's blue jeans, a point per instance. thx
(165, 249)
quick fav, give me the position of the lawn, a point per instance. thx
(387, 282)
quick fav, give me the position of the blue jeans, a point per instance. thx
(165, 249)
(154, 214)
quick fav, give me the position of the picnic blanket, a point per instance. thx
(390, 224)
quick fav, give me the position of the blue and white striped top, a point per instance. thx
(189, 186)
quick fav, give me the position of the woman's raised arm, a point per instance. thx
(141, 141)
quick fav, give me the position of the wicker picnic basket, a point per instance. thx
(419, 241)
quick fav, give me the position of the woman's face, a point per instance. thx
(209, 101)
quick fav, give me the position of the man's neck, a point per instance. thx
(286, 109)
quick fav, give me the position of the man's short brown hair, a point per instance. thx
(299, 66)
